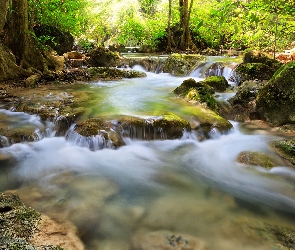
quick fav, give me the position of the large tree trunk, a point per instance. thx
(19, 55)
(185, 8)
(169, 35)
(3, 8)
(19, 40)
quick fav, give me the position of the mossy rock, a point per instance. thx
(256, 159)
(218, 83)
(276, 100)
(18, 222)
(182, 64)
(285, 148)
(168, 126)
(200, 92)
(102, 57)
(246, 92)
(252, 71)
(109, 73)
(255, 56)
(204, 119)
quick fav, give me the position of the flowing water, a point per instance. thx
(185, 187)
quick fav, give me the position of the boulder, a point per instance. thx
(166, 240)
(182, 64)
(256, 159)
(200, 92)
(108, 73)
(218, 83)
(243, 103)
(102, 57)
(252, 71)
(276, 99)
(285, 148)
(256, 65)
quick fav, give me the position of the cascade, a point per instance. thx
(151, 188)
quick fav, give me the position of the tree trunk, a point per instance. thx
(185, 8)
(3, 8)
(170, 38)
(19, 55)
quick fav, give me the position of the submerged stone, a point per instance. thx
(256, 159)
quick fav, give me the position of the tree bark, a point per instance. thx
(185, 8)
(3, 8)
(19, 55)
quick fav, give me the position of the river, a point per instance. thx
(185, 187)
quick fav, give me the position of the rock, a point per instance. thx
(21, 228)
(182, 64)
(61, 234)
(285, 148)
(111, 132)
(102, 57)
(256, 159)
(261, 57)
(252, 71)
(256, 65)
(166, 240)
(32, 81)
(218, 83)
(109, 73)
(276, 100)
(244, 101)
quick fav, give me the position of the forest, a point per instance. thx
(147, 124)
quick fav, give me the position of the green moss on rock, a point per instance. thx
(256, 159)
(276, 100)
(252, 71)
(109, 73)
(182, 64)
(197, 91)
(218, 83)
(286, 149)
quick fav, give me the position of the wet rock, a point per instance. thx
(166, 240)
(109, 73)
(102, 57)
(61, 234)
(150, 64)
(256, 65)
(286, 149)
(254, 56)
(169, 126)
(275, 100)
(218, 83)
(182, 64)
(32, 81)
(253, 71)
(244, 101)
(256, 159)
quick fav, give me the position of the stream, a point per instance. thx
(120, 199)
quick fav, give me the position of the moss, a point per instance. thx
(108, 73)
(252, 71)
(218, 83)
(286, 149)
(276, 100)
(254, 56)
(102, 57)
(256, 159)
(197, 91)
(182, 64)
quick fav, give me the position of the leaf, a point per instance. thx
(200, 24)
